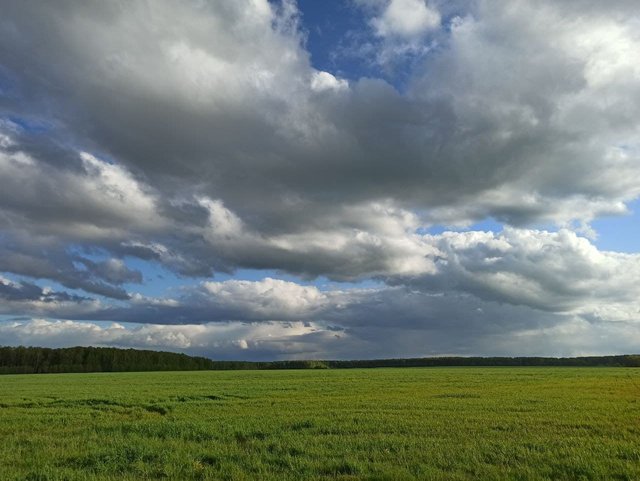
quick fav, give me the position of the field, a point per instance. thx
(370, 424)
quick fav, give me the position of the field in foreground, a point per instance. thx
(375, 424)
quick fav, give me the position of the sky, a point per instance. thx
(349, 179)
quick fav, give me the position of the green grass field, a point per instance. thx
(375, 424)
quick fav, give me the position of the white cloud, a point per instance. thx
(402, 30)
(322, 81)
(406, 19)
(553, 271)
(233, 340)
(268, 298)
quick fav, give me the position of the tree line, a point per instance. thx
(27, 360)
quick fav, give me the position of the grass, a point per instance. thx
(377, 424)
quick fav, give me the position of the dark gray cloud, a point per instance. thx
(27, 291)
(508, 111)
(46, 259)
(113, 271)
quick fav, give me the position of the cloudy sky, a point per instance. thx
(256, 179)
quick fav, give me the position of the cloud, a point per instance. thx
(220, 341)
(26, 291)
(400, 32)
(26, 298)
(505, 119)
(325, 81)
(502, 293)
(269, 298)
(114, 271)
(38, 258)
(552, 271)
(198, 136)
(303, 340)
(406, 19)
(92, 198)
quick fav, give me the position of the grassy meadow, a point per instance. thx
(370, 424)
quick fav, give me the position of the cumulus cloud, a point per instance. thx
(490, 307)
(269, 298)
(199, 136)
(553, 271)
(406, 18)
(506, 116)
(454, 325)
(400, 29)
(93, 199)
(326, 81)
(232, 340)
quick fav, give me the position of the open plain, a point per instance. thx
(370, 424)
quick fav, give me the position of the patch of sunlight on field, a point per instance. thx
(360, 424)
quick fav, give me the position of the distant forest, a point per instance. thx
(27, 360)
